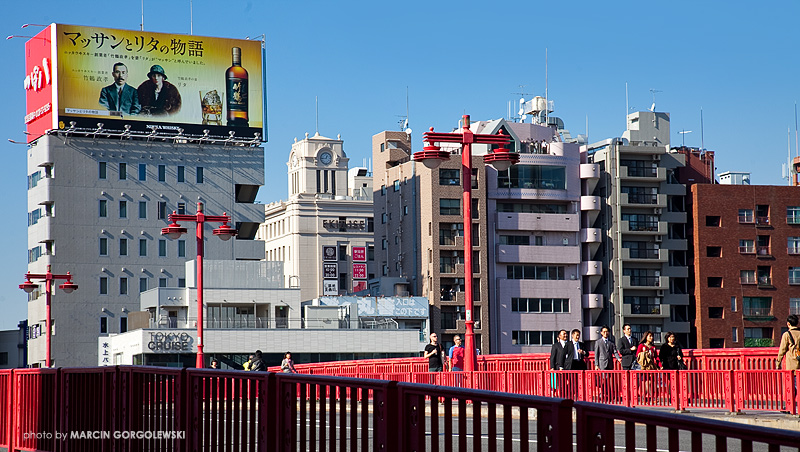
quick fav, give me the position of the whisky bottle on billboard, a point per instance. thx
(236, 83)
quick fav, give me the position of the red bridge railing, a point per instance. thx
(129, 408)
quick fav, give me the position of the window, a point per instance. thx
(143, 247)
(123, 324)
(757, 307)
(714, 281)
(371, 253)
(793, 215)
(533, 337)
(515, 240)
(794, 275)
(103, 246)
(142, 284)
(143, 171)
(181, 174)
(793, 245)
(449, 176)
(746, 216)
(103, 325)
(640, 304)
(762, 215)
(142, 210)
(383, 190)
(123, 171)
(712, 221)
(343, 252)
(182, 208)
(758, 337)
(449, 231)
(762, 245)
(162, 248)
(103, 285)
(713, 251)
(384, 244)
(162, 210)
(123, 247)
(123, 209)
(533, 176)
(102, 170)
(384, 217)
(734, 334)
(449, 206)
(715, 313)
(716, 343)
(475, 213)
(162, 282)
(199, 175)
(747, 246)
(396, 185)
(181, 282)
(123, 286)
(162, 173)
(642, 276)
(405, 210)
(794, 306)
(474, 178)
(747, 276)
(537, 305)
(541, 272)
(733, 304)
(181, 248)
(103, 208)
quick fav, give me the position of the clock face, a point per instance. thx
(325, 158)
(294, 160)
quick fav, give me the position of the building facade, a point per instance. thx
(746, 263)
(96, 208)
(323, 233)
(644, 219)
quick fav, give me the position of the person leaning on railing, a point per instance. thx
(789, 343)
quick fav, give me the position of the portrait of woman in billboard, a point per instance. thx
(157, 96)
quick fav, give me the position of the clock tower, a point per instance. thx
(317, 165)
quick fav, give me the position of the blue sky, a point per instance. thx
(738, 63)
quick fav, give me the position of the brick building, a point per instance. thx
(746, 263)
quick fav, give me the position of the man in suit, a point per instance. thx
(575, 353)
(557, 351)
(627, 347)
(604, 351)
(119, 96)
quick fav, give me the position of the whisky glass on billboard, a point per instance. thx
(236, 83)
(211, 104)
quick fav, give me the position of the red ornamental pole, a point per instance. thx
(200, 362)
(48, 290)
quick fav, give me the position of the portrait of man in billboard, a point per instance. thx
(119, 96)
(158, 96)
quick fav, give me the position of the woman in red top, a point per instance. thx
(651, 362)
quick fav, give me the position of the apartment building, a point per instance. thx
(645, 223)
(746, 262)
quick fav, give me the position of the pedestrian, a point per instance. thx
(605, 351)
(789, 344)
(671, 355)
(287, 365)
(575, 353)
(214, 364)
(433, 353)
(258, 362)
(248, 363)
(557, 358)
(647, 358)
(627, 347)
(455, 355)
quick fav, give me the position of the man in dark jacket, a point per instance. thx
(557, 351)
(627, 347)
(575, 353)
(258, 363)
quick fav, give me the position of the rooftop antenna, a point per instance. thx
(683, 133)
(316, 102)
(786, 168)
(522, 95)
(627, 109)
(407, 129)
(141, 25)
(796, 152)
(653, 91)
(702, 141)
(546, 99)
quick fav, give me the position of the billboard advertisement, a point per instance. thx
(153, 81)
(359, 271)
(359, 253)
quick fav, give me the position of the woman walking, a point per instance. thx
(287, 365)
(671, 354)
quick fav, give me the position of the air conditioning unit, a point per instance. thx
(659, 238)
(656, 157)
(657, 210)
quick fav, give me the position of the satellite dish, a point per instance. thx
(521, 100)
(408, 131)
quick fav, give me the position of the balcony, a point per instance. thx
(643, 174)
(655, 310)
(793, 250)
(591, 268)
(512, 221)
(746, 219)
(643, 227)
(763, 251)
(525, 254)
(590, 171)
(645, 282)
(595, 235)
(591, 203)
(747, 249)
(763, 222)
(643, 199)
(647, 255)
(765, 282)
(757, 313)
(747, 280)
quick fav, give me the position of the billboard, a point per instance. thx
(147, 81)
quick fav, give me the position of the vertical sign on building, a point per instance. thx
(359, 268)
(39, 81)
(330, 285)
(359, 254)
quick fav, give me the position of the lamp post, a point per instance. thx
(28, 286)
(432, 156)
(224, 232)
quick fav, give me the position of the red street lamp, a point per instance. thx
(48, 277)
(224, 232)
(432, 156)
